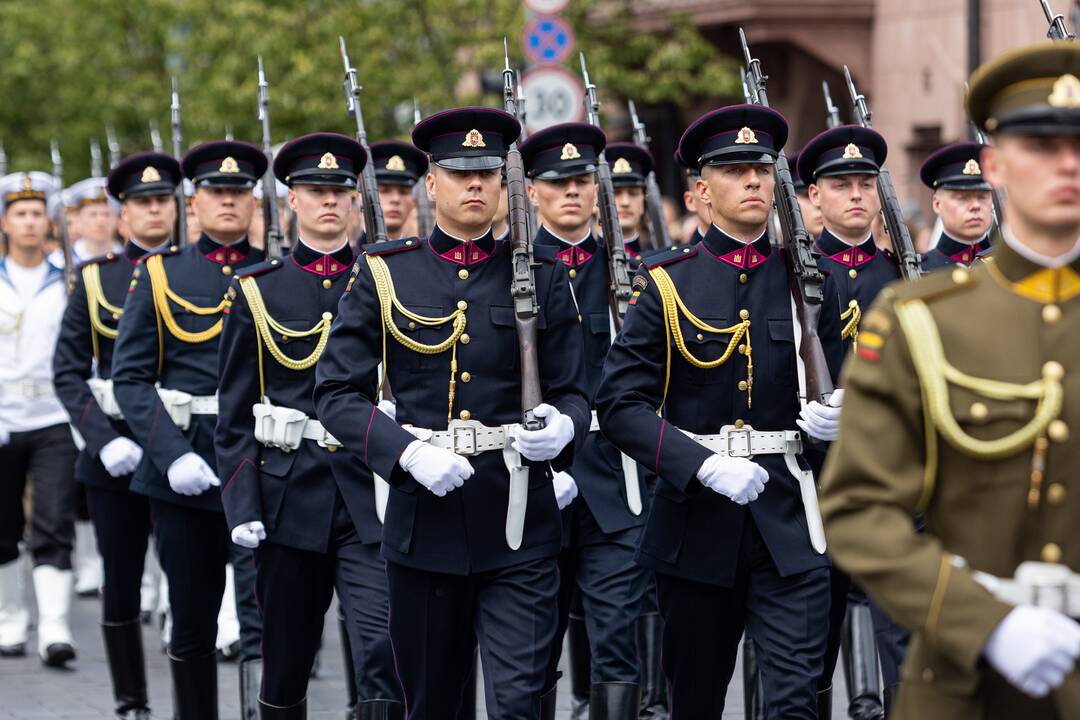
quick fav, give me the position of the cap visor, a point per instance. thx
(471, 162)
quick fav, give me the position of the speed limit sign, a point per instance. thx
(553, 95)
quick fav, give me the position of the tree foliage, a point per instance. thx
(73, 67)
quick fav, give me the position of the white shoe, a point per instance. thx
(53, 587)
(89, 569)
(14, 615)
(228, 633)
(149, 592)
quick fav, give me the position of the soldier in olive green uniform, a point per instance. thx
(963, 403)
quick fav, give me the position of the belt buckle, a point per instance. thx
(1050, 591)
(29, 389)
(463, 438)
(728, 445)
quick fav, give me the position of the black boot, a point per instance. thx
(347, 664)
(824, 704)
(292, 712)
(195, 688)
(547, 704)
(468, 693)
(577, 640)
(753, 690)
(380, 710)
(650, 631)
(127, 667)
(614, 701)
(250, 683)
(861, 671)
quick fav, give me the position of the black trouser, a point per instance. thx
(294, 590)
(48, 457)
(193, 548)
(247, 606)
(786, 617)
(122, 526)
(436, 621)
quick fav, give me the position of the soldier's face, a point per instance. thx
(465, 200)
(965, 214)
(1041, 177)
(224, 213)
(25, 224)
(397, 203)
(565, 205)
(630, 203)
(150, 219)
(97, 222)
(322, 211)
(811, 215)
(848, 204)
(738, 197)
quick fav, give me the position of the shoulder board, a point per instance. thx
(165, 250)
(100, 260)
(669, 256)
(260, 268)
(545, 253)
(392, 246)
(933, 285)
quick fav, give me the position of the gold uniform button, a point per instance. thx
(463, 274)
(462, 305)
(331, 448)
(412, 325)
(1051, 553)
(686, 250)
(409, 243)
(699, 336)
(116, 316)
(1051, 314)
(742, 385)
(465, 339)
(1058, 431)
(743, 277)
(465, 415)
(960, 275)
(742, 349)
(739, 424)
(1056, 494)
(327, 283)
(226, 270)
(744, 314)
(466, 377)
(1053, 370)
(979, 411)
(853, 273)
(573, 273)
(928, 675)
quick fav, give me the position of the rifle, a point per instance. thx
(1058, 30)
(178, 150)
(61, 215)
(3, 160)
(274, 237)
(374, 223)
(114, 147)
(425, 219)
(523, 283)
(155, 138)
(804, 279)
(832, 113)
(906, 258)
(523, 118)
(95, 158)
(618, 266)
(654, 206)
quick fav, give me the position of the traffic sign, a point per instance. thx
(546, 7)
(547, 40)
(553, 95)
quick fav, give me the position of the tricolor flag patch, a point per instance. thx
(634, 297)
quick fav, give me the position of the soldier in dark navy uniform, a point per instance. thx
(398, 167)
(472, 527)
(630, 165)
(145, 184)
(811, 214)
(964, 203)
(168, 337)
(600, 529)
(307, 508)
(701, 386)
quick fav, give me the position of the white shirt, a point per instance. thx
(1038, 258)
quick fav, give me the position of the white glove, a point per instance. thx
(120, 456)
(190, 475)
(389, 408)
(249, 534)
(565, 489)
(548, 442)
(735, 478)
(822, 421)
(1034, 648)
(439, 470)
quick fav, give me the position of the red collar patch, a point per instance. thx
(466, 253)
(744, 257)
(574, 256)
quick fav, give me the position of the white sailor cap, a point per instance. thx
(32, 185)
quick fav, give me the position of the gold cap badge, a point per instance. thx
(473, 139)
(395, 164)
(622, 165)
(746, 137)
(328, 162)
(852, 152)
(1066, 92)
(229, 165)
(150, 175)
(971, 167)
(569, 152)
(27, 184)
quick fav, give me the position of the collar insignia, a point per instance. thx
(395, 164)
(150, 175)
(971, 167)
(328, 162)
(473, 139)
(622, 166)
(569, 152)
(852, 152)
(746, 137)
(1066, 92)
(229, 165)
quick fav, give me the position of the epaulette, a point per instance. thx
(392, 246)
(932, 285)
(545, 253)
(669, 256)
(100, 259)
(260, 268)
(166, 250)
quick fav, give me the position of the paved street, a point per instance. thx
(28, 691)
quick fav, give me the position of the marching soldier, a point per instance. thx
(168, 337)
(464, 566)
(963, 201)
(97, 216)
(958, 409)
(145, 183)
(733, 533)
(600, 530)
(35, 439)
(630, 165)
(257, 231)
(309, 510)
(398, 167)
(691, 203)
(810, 212)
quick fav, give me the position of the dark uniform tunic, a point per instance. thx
(950, 252)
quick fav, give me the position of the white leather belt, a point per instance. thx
(29, 389)
(630, 473)
(284, 428)
(1045, 585)
(181, 406)
(470, 437)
